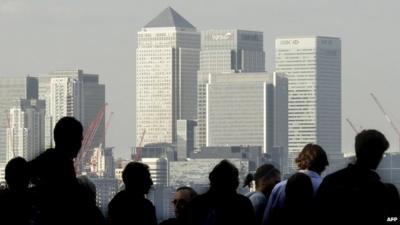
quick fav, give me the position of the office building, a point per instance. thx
(253, 154)
(185, 138)
(158, 169)
(12, 89)
(313, 68)
(167, 59)
(72, 93)
(25, 136)
(225, 51)
(241, 109)
(194, 172)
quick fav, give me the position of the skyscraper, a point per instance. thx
(72, 93)
(167, 60)
(12, 89)
(225, 51)
(25, 136)
(313, 67)
(241, 109)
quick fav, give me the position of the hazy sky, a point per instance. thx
(99, 36)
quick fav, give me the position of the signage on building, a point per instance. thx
(225, 36)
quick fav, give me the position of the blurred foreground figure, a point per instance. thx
(355, 194)
(312, 161)
(16, 200)
(183, 196)
(130, 206)
(221, 204)
(60, 199)
(266, 177)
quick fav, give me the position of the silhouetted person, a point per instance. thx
(266, 177)
(183, 196)
(130, 206)
(59, 197)
(221, 204)
(355, 194)
(311, 161)
(15, 200)
(299, 194)
(88, 189)
(394, 204)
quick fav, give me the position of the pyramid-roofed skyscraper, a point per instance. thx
(167, 60)
(169, 18)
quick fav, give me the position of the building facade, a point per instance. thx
(241, 110)
(313, 68)
(225, 51)
(25, 136)
(185, 138)
(12, 89)
(167, 60)
(72, 93)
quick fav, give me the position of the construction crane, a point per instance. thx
(94, 160)
(394, 127)
(352, 126)
(138, 151)
(88, 138)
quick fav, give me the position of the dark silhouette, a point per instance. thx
(221, 204)
(183, 196)
(266, 177)
(88, 188)
(130, 205)
(311, 161)
(355, 194)
(59, 196)
(299, 196)
(15, 200)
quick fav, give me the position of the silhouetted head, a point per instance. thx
(312, 157)
(248, 180)
(266, 177)
(224, 177)
(137, 178)
(17, 174)
(183, 196)
(299, 191)
(68, 135)
(370, 146)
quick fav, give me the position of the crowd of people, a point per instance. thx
(46, 190)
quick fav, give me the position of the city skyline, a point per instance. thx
(381, 73)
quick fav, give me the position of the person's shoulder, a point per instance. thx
(280, 186)
(118, 197)
(147, 203)
(256, 195)
(338, 174)
(242, 198)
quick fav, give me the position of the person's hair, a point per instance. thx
(17, 173)
(370, 144)
(134, 175)
(264, 171)
(192, 192)
(247, 180)
(299, 191)
(67, 129)
(224, 177)
(312, 157)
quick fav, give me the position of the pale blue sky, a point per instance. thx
(99, 36)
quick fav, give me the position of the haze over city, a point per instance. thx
(100, 37)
